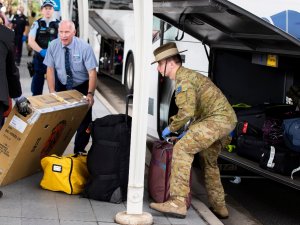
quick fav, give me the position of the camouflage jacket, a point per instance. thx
(198, 98)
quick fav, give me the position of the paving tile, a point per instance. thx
(105, 211)
(65, 222)
(73, 207)
(10, 204)
(26, 221)
(10, 207)
(104, 223)
(10, 221)
(39, 210)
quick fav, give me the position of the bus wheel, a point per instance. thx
(129, 74)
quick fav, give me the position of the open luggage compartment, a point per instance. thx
(250, 60)
(243, 80)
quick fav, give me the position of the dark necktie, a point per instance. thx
(69, 84)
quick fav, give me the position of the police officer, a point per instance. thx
(200, 101)
(42, 32)
(75, 63)
(20, 26)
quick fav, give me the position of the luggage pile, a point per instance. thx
(102, 173)
(269, 134)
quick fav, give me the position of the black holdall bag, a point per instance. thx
(108, 158)
(250, 147)
(279, 159)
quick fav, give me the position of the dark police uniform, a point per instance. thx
(19, 23)
(10, 85)
(44, 34)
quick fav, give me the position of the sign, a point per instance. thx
(57, 5)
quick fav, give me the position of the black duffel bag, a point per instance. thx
(108, 159)
(279, 159)
(250, 147)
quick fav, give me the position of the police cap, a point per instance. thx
(48, 3)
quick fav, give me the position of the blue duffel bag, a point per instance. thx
(291, 133)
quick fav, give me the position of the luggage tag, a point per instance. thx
(271, 158)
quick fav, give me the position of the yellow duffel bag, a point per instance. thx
(67, 173)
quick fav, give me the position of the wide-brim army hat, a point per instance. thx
(48, 3)
(165, 51)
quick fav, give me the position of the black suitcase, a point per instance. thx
(108, 158)
(254, 115)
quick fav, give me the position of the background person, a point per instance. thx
(42, 32)
(20, 25)
(10, 86)
(31, 19)
(75, 63)
(200, 101)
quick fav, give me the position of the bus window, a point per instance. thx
(109, 4)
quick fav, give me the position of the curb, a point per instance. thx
(205, 212)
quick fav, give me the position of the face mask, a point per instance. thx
(18, 12)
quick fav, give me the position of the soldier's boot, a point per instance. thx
(220, 212)
(175, 206)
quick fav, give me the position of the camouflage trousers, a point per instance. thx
(206, 137)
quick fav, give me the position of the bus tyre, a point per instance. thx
(129, 74)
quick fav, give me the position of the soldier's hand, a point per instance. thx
(181, 135)
(165, 132)
(23, 106)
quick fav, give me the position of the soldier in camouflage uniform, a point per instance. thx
(199, 100)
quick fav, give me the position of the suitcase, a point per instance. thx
(254, 115)
(68, 174)
(160, 171)
(108, 158)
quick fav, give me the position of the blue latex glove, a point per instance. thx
(43, 52)
(166, 132)
(181, 135)
(24, 38)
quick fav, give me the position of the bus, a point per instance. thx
(250, 50)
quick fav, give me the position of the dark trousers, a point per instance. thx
(2, 110)
(18, 48)
(38, 79)
(82, 137)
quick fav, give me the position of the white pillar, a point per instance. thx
(65, 9)
(83, 14)
(143, 14)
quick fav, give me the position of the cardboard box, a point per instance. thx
(47, 130)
